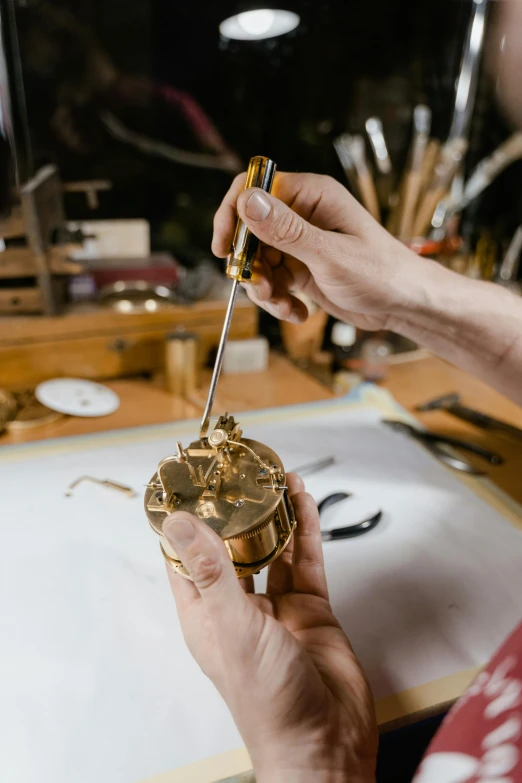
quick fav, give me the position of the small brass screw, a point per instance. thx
(239, 503)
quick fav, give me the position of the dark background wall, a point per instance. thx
(285, 97)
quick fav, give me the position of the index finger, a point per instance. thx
(226, 217)
(287, 187)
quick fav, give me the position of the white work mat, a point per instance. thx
(96, 683)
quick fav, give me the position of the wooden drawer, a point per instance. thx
(107, 347)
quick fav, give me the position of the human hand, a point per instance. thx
(281, 661)
(317, 239)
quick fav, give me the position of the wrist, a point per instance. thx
(473, 324)
(444, 309)
(309, 776)
(420, 285)
(309, 762)
(301, 775)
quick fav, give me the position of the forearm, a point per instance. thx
(475, 325)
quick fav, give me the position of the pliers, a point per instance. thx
(440, 446)
(351, 531)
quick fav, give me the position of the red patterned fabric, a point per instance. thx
(481, 739)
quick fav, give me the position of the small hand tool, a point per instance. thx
(235, 485)
(413, 177)
(375, 133)
(314, 467)
(345, 158)
(469, 72)
(109, 483)
(450, 161)
(351, 531)
(364, 177)
(385, 178)
(451, 403)
(486, 172)
(465, 96)
(352, 154)
(440, 446)
(240, 267)
(508, 272)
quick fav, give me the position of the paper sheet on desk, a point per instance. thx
(96, 682)
(436, 586)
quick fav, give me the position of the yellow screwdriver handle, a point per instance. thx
(240, 262)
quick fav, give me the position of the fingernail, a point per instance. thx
(294, 317)
(258, 207)
(275, 309)
(180, 532)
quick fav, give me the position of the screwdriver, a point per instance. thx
(240, 267)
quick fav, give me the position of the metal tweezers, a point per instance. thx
(441, 447)
(313, 467)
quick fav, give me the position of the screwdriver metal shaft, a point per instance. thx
(240, 263)
(205, 421)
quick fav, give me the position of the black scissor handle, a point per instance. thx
(443, 440)
(352, 530)
(331, 500)
(490, 456)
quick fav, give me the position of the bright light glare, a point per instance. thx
(258, 24)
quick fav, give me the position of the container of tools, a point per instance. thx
(422, 205)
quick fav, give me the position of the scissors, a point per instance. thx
(352, 530)
(440, 446)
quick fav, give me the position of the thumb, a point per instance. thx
(277, 225)
(205, 557)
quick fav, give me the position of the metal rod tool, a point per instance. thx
(365, 179)
(469, 72)
(452, 404)
(486, 172)
(375, 133)
(118, 486)
(240, 267)
(413, 177)
(507, 274)
(205, 421)
(385, 179)
(465, 95)
(341, 145)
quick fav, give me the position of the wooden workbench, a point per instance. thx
(416, 382)
(282, 383)
(412, 382)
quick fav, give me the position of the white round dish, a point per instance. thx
(77, 397)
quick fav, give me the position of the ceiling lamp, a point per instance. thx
(258, 24)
